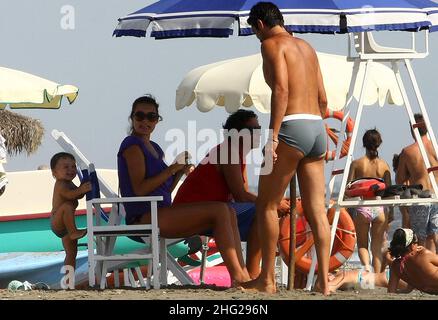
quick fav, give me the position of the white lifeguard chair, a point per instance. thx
(365, 52)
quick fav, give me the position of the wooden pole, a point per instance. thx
(292, 233)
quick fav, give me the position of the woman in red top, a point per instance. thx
(221, 176)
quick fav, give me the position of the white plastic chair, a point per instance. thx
(107, 234)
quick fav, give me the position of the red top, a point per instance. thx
(206, 183)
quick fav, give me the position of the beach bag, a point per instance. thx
(365, 187)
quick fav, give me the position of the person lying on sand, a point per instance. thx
(411, 267)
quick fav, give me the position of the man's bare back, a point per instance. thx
(297, 140)
(301, 63)
(411, 165)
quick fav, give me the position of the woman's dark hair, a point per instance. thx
(146, 99)
(266, 12)
(238, 120)
(371, 141)
(398, 248)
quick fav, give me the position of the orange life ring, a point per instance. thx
(339, 115)
(343, 246)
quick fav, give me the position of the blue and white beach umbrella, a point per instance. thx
(216, 18)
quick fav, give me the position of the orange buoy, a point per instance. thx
(339, 115)
(343, 246)
(365, 187)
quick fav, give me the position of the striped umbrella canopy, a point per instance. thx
(217, 18)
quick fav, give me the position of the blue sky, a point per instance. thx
(112, 72)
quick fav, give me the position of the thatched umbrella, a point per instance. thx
(22, 133)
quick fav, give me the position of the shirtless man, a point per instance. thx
(414, 264)
(298, 143)
(423, 219)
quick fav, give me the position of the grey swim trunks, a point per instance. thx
(305, 132)
(424, 220)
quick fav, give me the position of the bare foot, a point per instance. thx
(325, 290)
(257, 285)
(78, 234)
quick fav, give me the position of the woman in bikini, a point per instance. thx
(370, 219)
(414, 264)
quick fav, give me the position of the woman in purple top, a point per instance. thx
(143, 172)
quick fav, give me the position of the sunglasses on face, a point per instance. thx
(151, 116)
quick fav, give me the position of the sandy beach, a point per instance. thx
(211, 293)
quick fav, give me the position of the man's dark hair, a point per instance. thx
(419, 119)
(238, 120)
(59, 156)
(268, 13)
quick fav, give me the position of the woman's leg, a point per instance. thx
(362, 226)
(185, 220)
(378, 227)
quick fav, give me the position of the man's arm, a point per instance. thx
(322, 97)
(235, 183)
(275, 70)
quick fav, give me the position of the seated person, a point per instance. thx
(221, 176)
(143, 172)
(414, 264)
(64, 204)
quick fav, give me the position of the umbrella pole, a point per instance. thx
(292, 232)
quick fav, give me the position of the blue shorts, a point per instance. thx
(424, 220)
(245, 213)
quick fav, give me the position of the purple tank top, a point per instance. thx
(153, 166)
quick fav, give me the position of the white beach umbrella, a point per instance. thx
(239, 83)
(23, 90)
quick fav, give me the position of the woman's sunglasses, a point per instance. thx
(151, 116)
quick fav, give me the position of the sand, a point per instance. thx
(209, 293)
